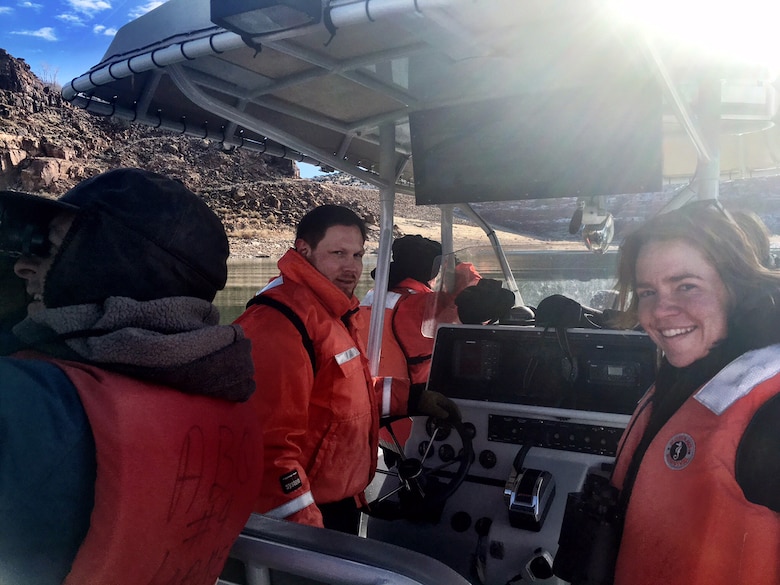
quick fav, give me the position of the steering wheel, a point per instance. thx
(422, 490)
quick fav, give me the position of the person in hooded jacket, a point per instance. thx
(697, 466)
(129, 453)
(317, 401)
(411, 305)
(406, 349)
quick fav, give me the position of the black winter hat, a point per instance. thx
(137, 234)
(414, 257)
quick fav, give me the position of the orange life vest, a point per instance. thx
(177, 476)
(406, 352)
(409, 306)
(688, 521)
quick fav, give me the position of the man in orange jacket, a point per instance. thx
(317, 402)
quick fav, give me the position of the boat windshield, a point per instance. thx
(581, 275)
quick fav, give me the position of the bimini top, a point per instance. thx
(554, 94)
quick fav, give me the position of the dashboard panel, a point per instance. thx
(581, 369)
(561, 399)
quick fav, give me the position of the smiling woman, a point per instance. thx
(683, 302)
(694, 282)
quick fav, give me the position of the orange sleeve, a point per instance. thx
(465, 275)
(284, 379)
(392, 395)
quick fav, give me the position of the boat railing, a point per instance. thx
(267, 546)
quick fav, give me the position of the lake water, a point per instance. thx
(578, 275)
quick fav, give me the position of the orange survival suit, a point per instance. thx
(320, 416)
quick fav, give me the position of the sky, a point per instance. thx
(62, 39)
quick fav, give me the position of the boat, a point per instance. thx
(466, 104)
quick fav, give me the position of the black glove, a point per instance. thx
(430, 403)
(484, 302)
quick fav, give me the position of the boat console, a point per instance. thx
(542, 408)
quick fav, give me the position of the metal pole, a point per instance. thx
(708, 170)
(387, 173)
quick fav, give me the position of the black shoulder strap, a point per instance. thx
(294, 319)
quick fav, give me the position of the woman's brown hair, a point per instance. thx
(710, 229)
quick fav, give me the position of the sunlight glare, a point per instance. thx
(744, 31)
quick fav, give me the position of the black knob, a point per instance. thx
(446, 453)
(432, 423)
(460, 521)
(488, 459)
(482, 526)
(422, 447)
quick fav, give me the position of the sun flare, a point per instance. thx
(739, 32)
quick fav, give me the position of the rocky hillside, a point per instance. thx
(47, 146)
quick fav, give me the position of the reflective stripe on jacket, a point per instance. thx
(688, 521)
(320, 428)
(177, 475)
